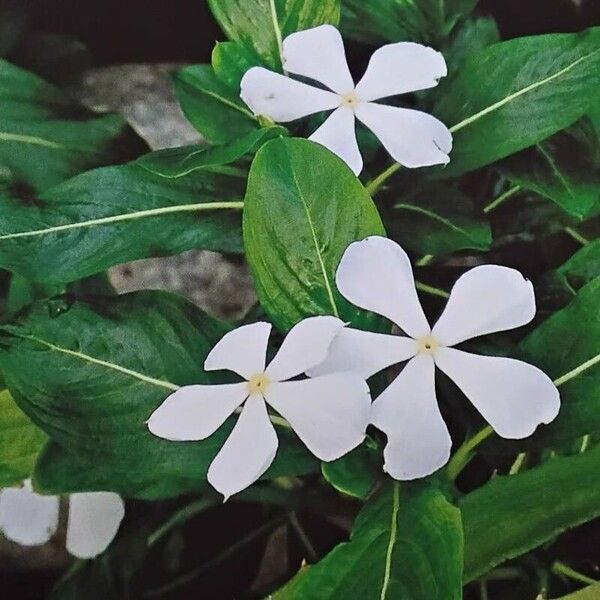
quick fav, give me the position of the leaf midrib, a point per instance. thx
(434, 216)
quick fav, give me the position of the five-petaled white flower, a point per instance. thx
(513, 396)
(30, 519)
(413, 138)
(329, 414)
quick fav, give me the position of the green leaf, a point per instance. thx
(514, 94)
(231, 60)
(91, 373)
(261, 24)
(356, 473)
(211, 106)
(438, 220)
(45, 138)
(117, 214)
(582, 267)
(592, 592)
(303, 207)
(20, 442)
(513, 514)
(564, 168)
(181, 161)
(406, 544)
(565, 346)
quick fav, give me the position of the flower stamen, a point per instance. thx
(350, 100)
(427, 345)
(258, 384)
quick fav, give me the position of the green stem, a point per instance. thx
(428, 289)
(424, 260)
(313, 556)
(577, 236)
(502, 198)
(463, 456)
(374, 185)
(559, 568)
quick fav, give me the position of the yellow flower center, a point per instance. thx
(427, 345)
(351, 100)
(258, 384)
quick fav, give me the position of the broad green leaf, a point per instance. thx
(592, 592)
(406, 544)
(513, 514)
(356, 473)
(514, 94)
(260, 25)
(564, 168)
(567, 347)
(303, 207)
(45, 138)
(117, 214)
(91, 373)
(438, 220)
(396, 20)
(20, 442)
(211, 106)
(181, 161)
(231, 60)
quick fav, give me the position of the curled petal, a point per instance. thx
(401, 68)
(375, 274)
(338, 135)
(305, 346)
(364, 353)
(248, 451)
(195, 412)
(243, 350)
(407, 412)
(281, 98)
(413, 138)
(319, 53)
(28, 518)
(514, 397)
(329, 413)
(484, 300)
(94, 519)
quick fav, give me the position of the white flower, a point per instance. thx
(329, 414)
(30, 519)
(413, 138)
(512, 396)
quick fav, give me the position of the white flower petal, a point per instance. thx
(413, 138)
(364, 352)
(248, 451)
(329, 413)
(282, 98)
(375, 274)
(514, 397)
(28, 518)
(243, 350)
(319, 53)
(408, 413)
(485, 299)
(195, 412)
(401, 68)
(94, 519)
(305, 346)
(338, 134)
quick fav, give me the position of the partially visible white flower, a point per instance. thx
(30, 519)
(514, 397)
(329, 414)
(413, 138)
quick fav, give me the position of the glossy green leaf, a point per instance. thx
(303, 207)
(261, 24)
(45, 138)
(211, 106)
(179, 162)
(91, 373)
(592, 592)
(511, 515)
(230, 62)
(406, 544)
(564, 168)
(117, 214)
(20, 442)
(514, 94)
(438, 220)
